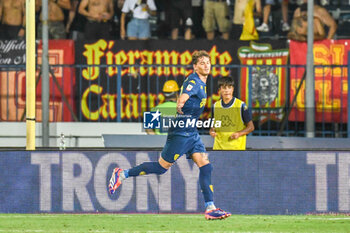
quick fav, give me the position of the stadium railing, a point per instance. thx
(274, 93)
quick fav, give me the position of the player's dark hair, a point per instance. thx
(226, 81)
(198, 54)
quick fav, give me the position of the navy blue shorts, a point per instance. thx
(177, 145)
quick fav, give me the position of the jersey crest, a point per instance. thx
(189, 87)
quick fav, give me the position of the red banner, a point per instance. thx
(267, 90)
(331, 83)
(13, 86)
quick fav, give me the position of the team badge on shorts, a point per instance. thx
(151, 120)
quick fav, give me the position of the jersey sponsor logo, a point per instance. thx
(189, 87)
(226, 121)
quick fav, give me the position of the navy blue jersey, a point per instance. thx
(193, 108)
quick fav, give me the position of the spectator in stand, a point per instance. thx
(115, 30)
(197, 17)
(118, 6)
(56, 18)
(239, 18)
(98, 13)
(216, 12)
(138, 28)
(320, 13)
(76, 22)
(12, 19)
(179, 12)
(163, 30)
(264, 27)
(298, 29)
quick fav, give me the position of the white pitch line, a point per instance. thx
(174, 216)
(294, 218)
(102, 215)
(21, 230)
(27, 216)
(104, 231)
(98, 231)
(328, 219)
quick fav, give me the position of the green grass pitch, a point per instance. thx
(171, 223)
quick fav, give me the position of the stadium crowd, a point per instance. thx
(175, 19)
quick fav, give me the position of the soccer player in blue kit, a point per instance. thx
(183, 140)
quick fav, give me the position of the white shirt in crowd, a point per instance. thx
(138, 9)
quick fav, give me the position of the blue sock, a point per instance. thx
(205, 183)
(147, 168)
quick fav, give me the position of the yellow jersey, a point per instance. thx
(231, 121)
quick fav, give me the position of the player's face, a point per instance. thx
(226, 92)
(203, 66)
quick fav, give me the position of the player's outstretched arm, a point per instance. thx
(181, 102)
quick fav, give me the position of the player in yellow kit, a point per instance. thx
(235, 117)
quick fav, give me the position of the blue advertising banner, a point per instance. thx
(245, 182)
